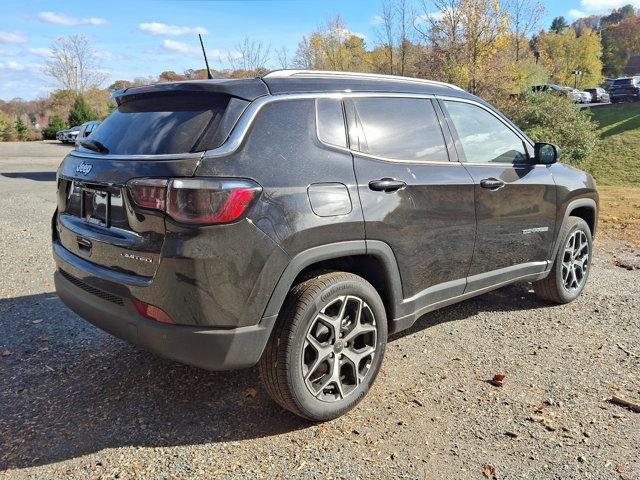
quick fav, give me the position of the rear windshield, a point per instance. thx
(153, 124)
(623, 82)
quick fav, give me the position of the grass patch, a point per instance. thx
(617, 159)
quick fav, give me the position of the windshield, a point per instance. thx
(160, 124)
(623, 82)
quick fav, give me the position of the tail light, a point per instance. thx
(201, 201)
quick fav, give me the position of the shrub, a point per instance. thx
(81, 112)
(6, 128)
(552, 118)
(22, 130)
(55, 125)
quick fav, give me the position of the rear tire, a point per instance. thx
(326, 347)
(572, 264)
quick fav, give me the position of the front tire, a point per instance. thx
(327, 346)
(572, 264)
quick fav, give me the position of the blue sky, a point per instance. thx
(142, 38)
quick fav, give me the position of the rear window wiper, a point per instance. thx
(94, 145)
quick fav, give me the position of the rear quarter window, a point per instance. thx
(330, 122)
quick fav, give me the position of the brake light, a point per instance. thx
(152, 312)
(201, 201)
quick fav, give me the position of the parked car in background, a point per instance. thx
(625, 89)
(575, 95)
(69, 135)
(86, 129)
(580, 96)
(318, 213)
(598, 95)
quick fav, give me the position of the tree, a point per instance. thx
(6, 127)
(283, 57)
(73, 64)
(618, 15)
(22, 129)
(394, 45)
(81, 112)
(525, 18)
(56, 123)
(563, 53)
(333, 47)
(619, 42)
(558, 25)
(249, 55)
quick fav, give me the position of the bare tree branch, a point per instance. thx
(73, 64)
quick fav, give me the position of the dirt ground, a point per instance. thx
(77, 403)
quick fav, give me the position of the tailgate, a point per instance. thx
(97, 219)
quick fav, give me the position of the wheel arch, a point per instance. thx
(585, 208)
(372, 260)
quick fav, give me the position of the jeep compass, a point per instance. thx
(296, 220)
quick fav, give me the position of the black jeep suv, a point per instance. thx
(298, 219)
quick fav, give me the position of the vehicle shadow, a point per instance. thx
(628, 124)
(35, 176)
(517, 296)
(82, 391)
(68, 389)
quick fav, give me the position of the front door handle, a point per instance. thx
(492, 183)
(386, 185)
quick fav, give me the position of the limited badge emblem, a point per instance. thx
(84, 168)
(137, 257)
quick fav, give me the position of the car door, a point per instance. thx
(515, 199)
(413, 197)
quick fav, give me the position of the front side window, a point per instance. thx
(398, 129)
(484, 138)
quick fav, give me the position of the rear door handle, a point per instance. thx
(491, 183)
(386, 185)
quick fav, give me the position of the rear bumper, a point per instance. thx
(208, 348)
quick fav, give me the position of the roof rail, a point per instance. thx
(287, 73)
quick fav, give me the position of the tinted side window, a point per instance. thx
(398, 129)
(484, 138)
(331, 122)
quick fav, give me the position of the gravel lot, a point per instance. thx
(77, 403)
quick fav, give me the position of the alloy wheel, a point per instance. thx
(575, 261)
(338, 348)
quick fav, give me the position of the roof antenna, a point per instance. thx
(209, 75)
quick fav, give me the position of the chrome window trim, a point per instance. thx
(245, 122)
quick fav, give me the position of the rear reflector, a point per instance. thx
(151, 312)
(200, 201)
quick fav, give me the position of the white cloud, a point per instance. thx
(12, 37)
(180, 47)
(103, 55)
(62, 19)
(344, 33)
(592, 7)
(9, 53)
(156, 28)
(13, 66)
(172, 46)
(40, 52)
(376, 20)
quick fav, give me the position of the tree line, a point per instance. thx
(492, 48)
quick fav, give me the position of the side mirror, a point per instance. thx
(546, 153)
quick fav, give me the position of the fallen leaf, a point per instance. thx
(250, 392)
(499, 377)
(6, 353)
(620, 469)
(37, 321)
(488, 470)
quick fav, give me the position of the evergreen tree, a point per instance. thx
(81, 112)
(22, 129)
(56, 123)
(558, 25)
